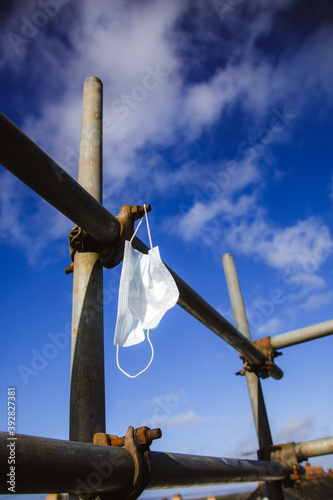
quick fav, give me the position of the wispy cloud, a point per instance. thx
(296, 429)
(189, 419)
(163, 408)
(216, 196)
(303, 247)
(271, 327)
(317, 301)
(305, 243)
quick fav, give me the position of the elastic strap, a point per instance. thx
(137, 227)
(148, 229)
(151, 245)
(151, 359)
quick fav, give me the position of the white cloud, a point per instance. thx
(172, 399)
(136, 38)
(195, 223)
(163, 408)
(214, 197)
(118, 45)
(295, 429)
(271, 327)
(189, 419)
(299, 249)
(204, 102)
(307, 243)
(317, 301)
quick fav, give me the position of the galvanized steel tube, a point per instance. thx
(314, 448)
(173, 470)
(54, 466)
(87, 395)
(302, 335)
(235, 294)
(253, 382)
(241, 321)
(21, 156)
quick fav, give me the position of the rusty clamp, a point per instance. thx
(264, 345)
(285, 454)
(136, 442)
(109, 255)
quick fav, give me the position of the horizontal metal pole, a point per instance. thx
(173, 470)
(302, 335)
(315, 448)
(27, 161)
(53, 466)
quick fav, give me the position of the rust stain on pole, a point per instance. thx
(87, 408)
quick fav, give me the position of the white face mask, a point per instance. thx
(146, 291)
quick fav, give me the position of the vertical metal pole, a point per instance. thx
(274, 489)
(87, 397)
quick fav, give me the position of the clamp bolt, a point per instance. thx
(137, 212)
(143, 436)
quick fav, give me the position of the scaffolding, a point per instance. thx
(122, 468)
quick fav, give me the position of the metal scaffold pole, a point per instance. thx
(29, 163)
(301, 335)
(261, 422)
(53, 466)
(87, 395)
(314, 448)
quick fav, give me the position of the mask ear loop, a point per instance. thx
(137, 227)
(151, 245)
(148, 338)
(148, 229)
(142, 371)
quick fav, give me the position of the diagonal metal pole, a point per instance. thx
(261, 422)
(87, 394)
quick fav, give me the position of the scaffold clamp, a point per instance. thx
(109, 255)
(136, 442)
(264, 345)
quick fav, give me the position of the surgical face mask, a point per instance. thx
(146, 291)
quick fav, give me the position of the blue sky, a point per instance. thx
(218, 114)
